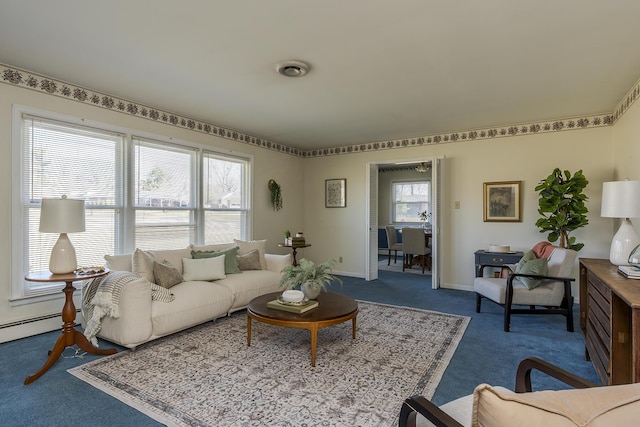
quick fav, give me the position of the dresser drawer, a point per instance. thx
(497, 259)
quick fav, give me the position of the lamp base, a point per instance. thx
(624, 241)
(63, 256)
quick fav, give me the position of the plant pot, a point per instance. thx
(310, 292)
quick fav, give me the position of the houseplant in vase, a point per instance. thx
(562, 207)
(312, 278)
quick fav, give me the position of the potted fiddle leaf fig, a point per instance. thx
(312, 278)
(562, 207)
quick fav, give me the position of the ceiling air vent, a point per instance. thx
(292, 68)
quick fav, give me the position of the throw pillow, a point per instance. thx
(142, 264)
(203, 269)
(250, 261)
(230, 261)
(529, 264)
(165, 274)
(247, 246)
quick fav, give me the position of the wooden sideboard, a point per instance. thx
(610, 321)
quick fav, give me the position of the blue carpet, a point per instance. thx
(486, 354)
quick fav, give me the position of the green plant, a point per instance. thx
(306, 273)
(276, 194)
(562, 207)
(287, 234)
(425, 216)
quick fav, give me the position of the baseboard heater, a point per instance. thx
(32, 320)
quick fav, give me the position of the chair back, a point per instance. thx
(561, 262)
(392, 238)
(414, 241)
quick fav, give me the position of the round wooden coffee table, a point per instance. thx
(332, 309)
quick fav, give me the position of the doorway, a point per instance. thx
(381, 174)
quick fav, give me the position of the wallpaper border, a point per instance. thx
(29, 80)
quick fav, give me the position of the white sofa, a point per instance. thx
(142, 319)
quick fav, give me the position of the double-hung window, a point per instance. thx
(409, 200)
(139, 192)
(77, 161)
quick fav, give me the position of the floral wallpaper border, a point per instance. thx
(29, 80)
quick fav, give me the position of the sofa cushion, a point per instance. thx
(249, 261)
(203, 269)
(247, 246)
(166, 275)
(230, 260)
(118, 262)
(593, 407)
(142, 264)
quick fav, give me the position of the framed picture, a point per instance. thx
(335, 193)
(502, 201)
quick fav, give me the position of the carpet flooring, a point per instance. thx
(207, 376)
(397, 267)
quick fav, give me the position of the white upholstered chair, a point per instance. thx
(551, 296)
(414, 243)
(392, 243)
(584, 405)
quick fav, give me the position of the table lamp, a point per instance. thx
(62, 216)
(621, 199)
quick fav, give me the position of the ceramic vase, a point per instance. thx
(310, 292)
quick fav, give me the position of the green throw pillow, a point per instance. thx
(529, 264)
(230, 261)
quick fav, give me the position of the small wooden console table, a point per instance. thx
(294, 251)
(70, 335)
(610, 321)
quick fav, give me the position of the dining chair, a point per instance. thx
(392, 243)
(414, 243)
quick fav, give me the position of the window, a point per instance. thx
(409, 199)
(138, 192)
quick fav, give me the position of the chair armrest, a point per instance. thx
(523, 375)
(418, 404)
(538, 276)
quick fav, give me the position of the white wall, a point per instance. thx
(530, 158)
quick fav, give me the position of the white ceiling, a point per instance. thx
(380, 69)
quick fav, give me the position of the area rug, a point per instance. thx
(208, 376)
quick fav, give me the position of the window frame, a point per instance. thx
(394, 203)
(124, 231)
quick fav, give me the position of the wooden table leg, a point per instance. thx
(68, 337)
(248, 331)
(353, 327)
(314, 343)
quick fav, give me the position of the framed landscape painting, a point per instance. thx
(502, 201)
(335, 193)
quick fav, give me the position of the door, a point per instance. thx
(372, 224)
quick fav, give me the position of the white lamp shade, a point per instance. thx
(620, 199)
(62, 215)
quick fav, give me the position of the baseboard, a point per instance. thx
(29, 327)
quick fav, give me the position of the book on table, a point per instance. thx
(276, 304)
(629, 271)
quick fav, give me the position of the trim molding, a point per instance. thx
(26, 79)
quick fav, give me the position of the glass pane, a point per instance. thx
(223, 180)
(223, 227)
(163, 176)
(163, 229)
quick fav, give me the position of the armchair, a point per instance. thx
(585, 405)
(552, 295)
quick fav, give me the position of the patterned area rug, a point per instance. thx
(207, 376)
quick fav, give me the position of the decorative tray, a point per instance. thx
(295, 304)
(90, 270)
